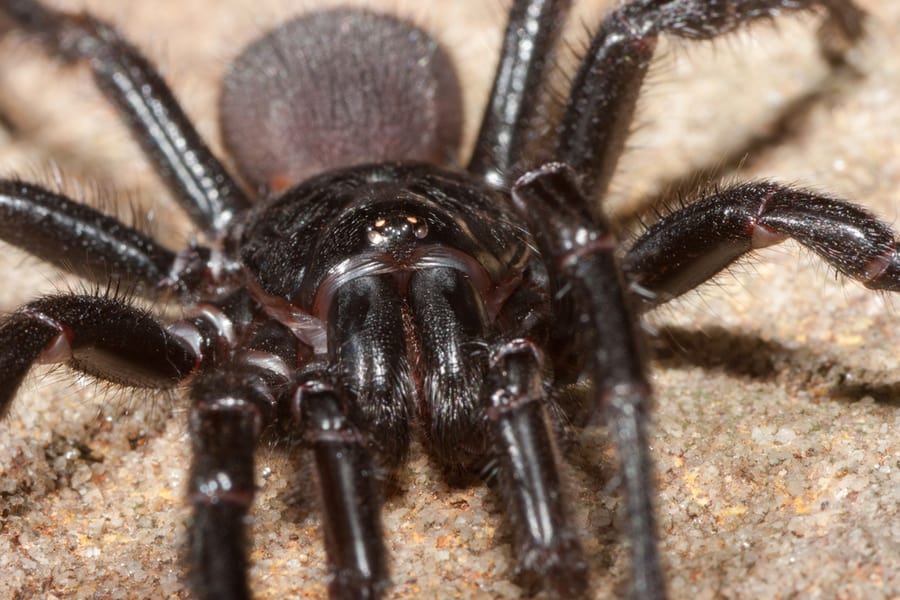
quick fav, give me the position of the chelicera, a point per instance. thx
(373, 290)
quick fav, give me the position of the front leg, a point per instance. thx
(348, 487)
(605, 330)
(548, 551)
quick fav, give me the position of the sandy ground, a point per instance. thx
(775, 435)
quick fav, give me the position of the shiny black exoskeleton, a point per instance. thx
(420, 267)
(375, 289)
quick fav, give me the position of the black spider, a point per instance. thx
(374, 285)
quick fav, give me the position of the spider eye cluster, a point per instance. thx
(394, 229)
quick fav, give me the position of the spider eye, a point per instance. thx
(375, 237)
(419, 226)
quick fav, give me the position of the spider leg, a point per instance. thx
(99, 336)
(354, 541)
(194, 175)
(604, 329)
(230, 408)
(245, 374)
(547, 548)
(691, 245)
(527, 45)
(85, 242)
(598, 113)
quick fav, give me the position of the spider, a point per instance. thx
(245, 350)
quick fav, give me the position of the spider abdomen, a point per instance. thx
(336, 88)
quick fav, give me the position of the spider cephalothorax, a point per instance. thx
(373, 291)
